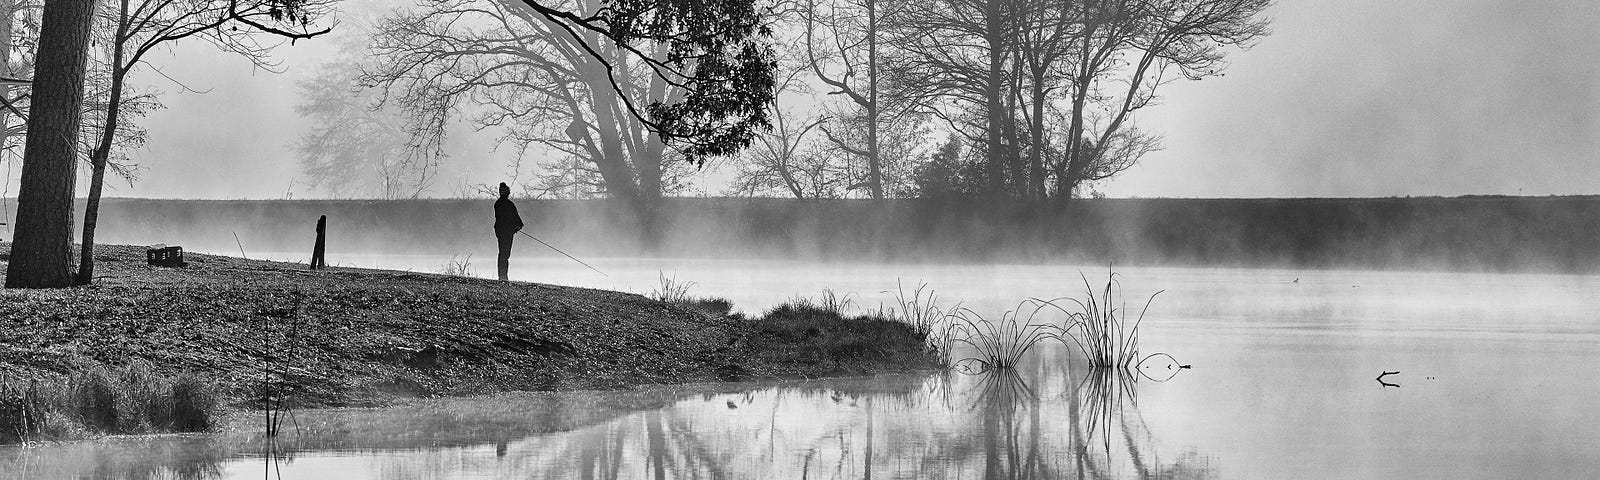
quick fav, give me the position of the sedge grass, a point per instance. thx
(1001, 344)
(1101, 327)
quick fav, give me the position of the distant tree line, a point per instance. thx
(1026, 99)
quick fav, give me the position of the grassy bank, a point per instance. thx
(1469, 233)
(257, 330)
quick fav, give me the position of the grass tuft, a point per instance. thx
(23, 410)
(829, 302)
(832, 302)
(1000, 344)
(1101, 328)
(921, 311)
(195, 405)
(459, 268)
(671, 290)
(133, 399)
(93, 398)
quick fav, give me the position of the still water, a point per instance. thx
(1497, 380)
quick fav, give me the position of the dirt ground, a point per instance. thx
(348, 336)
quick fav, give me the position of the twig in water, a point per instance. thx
(1387, 384)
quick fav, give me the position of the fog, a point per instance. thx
(1490, 234)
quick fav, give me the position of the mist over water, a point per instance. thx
(1287, 330)
(1282, 386)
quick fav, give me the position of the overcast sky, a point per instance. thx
(1354, 98)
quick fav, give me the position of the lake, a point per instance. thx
(1496, 380)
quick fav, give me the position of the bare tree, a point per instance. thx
(845, 50)
(19, 36)
(1127, 49)
(357, 145)
(783, 160)
(544, 88)
(956, 62)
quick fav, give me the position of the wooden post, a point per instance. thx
(317, 251)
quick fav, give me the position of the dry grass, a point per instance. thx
(132, 399)
(670, 290)
(459, 268)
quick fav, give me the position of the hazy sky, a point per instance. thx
(1354, 98)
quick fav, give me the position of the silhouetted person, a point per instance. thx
(506, 225)
(317, 261)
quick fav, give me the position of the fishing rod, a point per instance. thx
(553, 247)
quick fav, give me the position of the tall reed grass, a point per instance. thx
(278, 364)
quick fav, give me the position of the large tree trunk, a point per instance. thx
(41, 254)
(102, 151)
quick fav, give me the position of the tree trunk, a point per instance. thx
(1035, 188)
(874, 159)
(993, 109)
(42, 251)
(102, 151)
(1069, 168)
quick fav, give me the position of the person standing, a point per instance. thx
(506, 225)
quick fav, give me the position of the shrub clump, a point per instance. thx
(99, 400)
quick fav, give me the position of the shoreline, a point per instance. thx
(361, 337)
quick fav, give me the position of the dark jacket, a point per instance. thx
(506, 220)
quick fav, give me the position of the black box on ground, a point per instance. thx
(164, 256)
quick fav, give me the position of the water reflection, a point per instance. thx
(152, 458)
(1051, 417)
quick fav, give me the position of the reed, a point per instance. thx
(833, 303)
(1001, 344)
(274, 391)
(921, 311)
(1100, 327)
